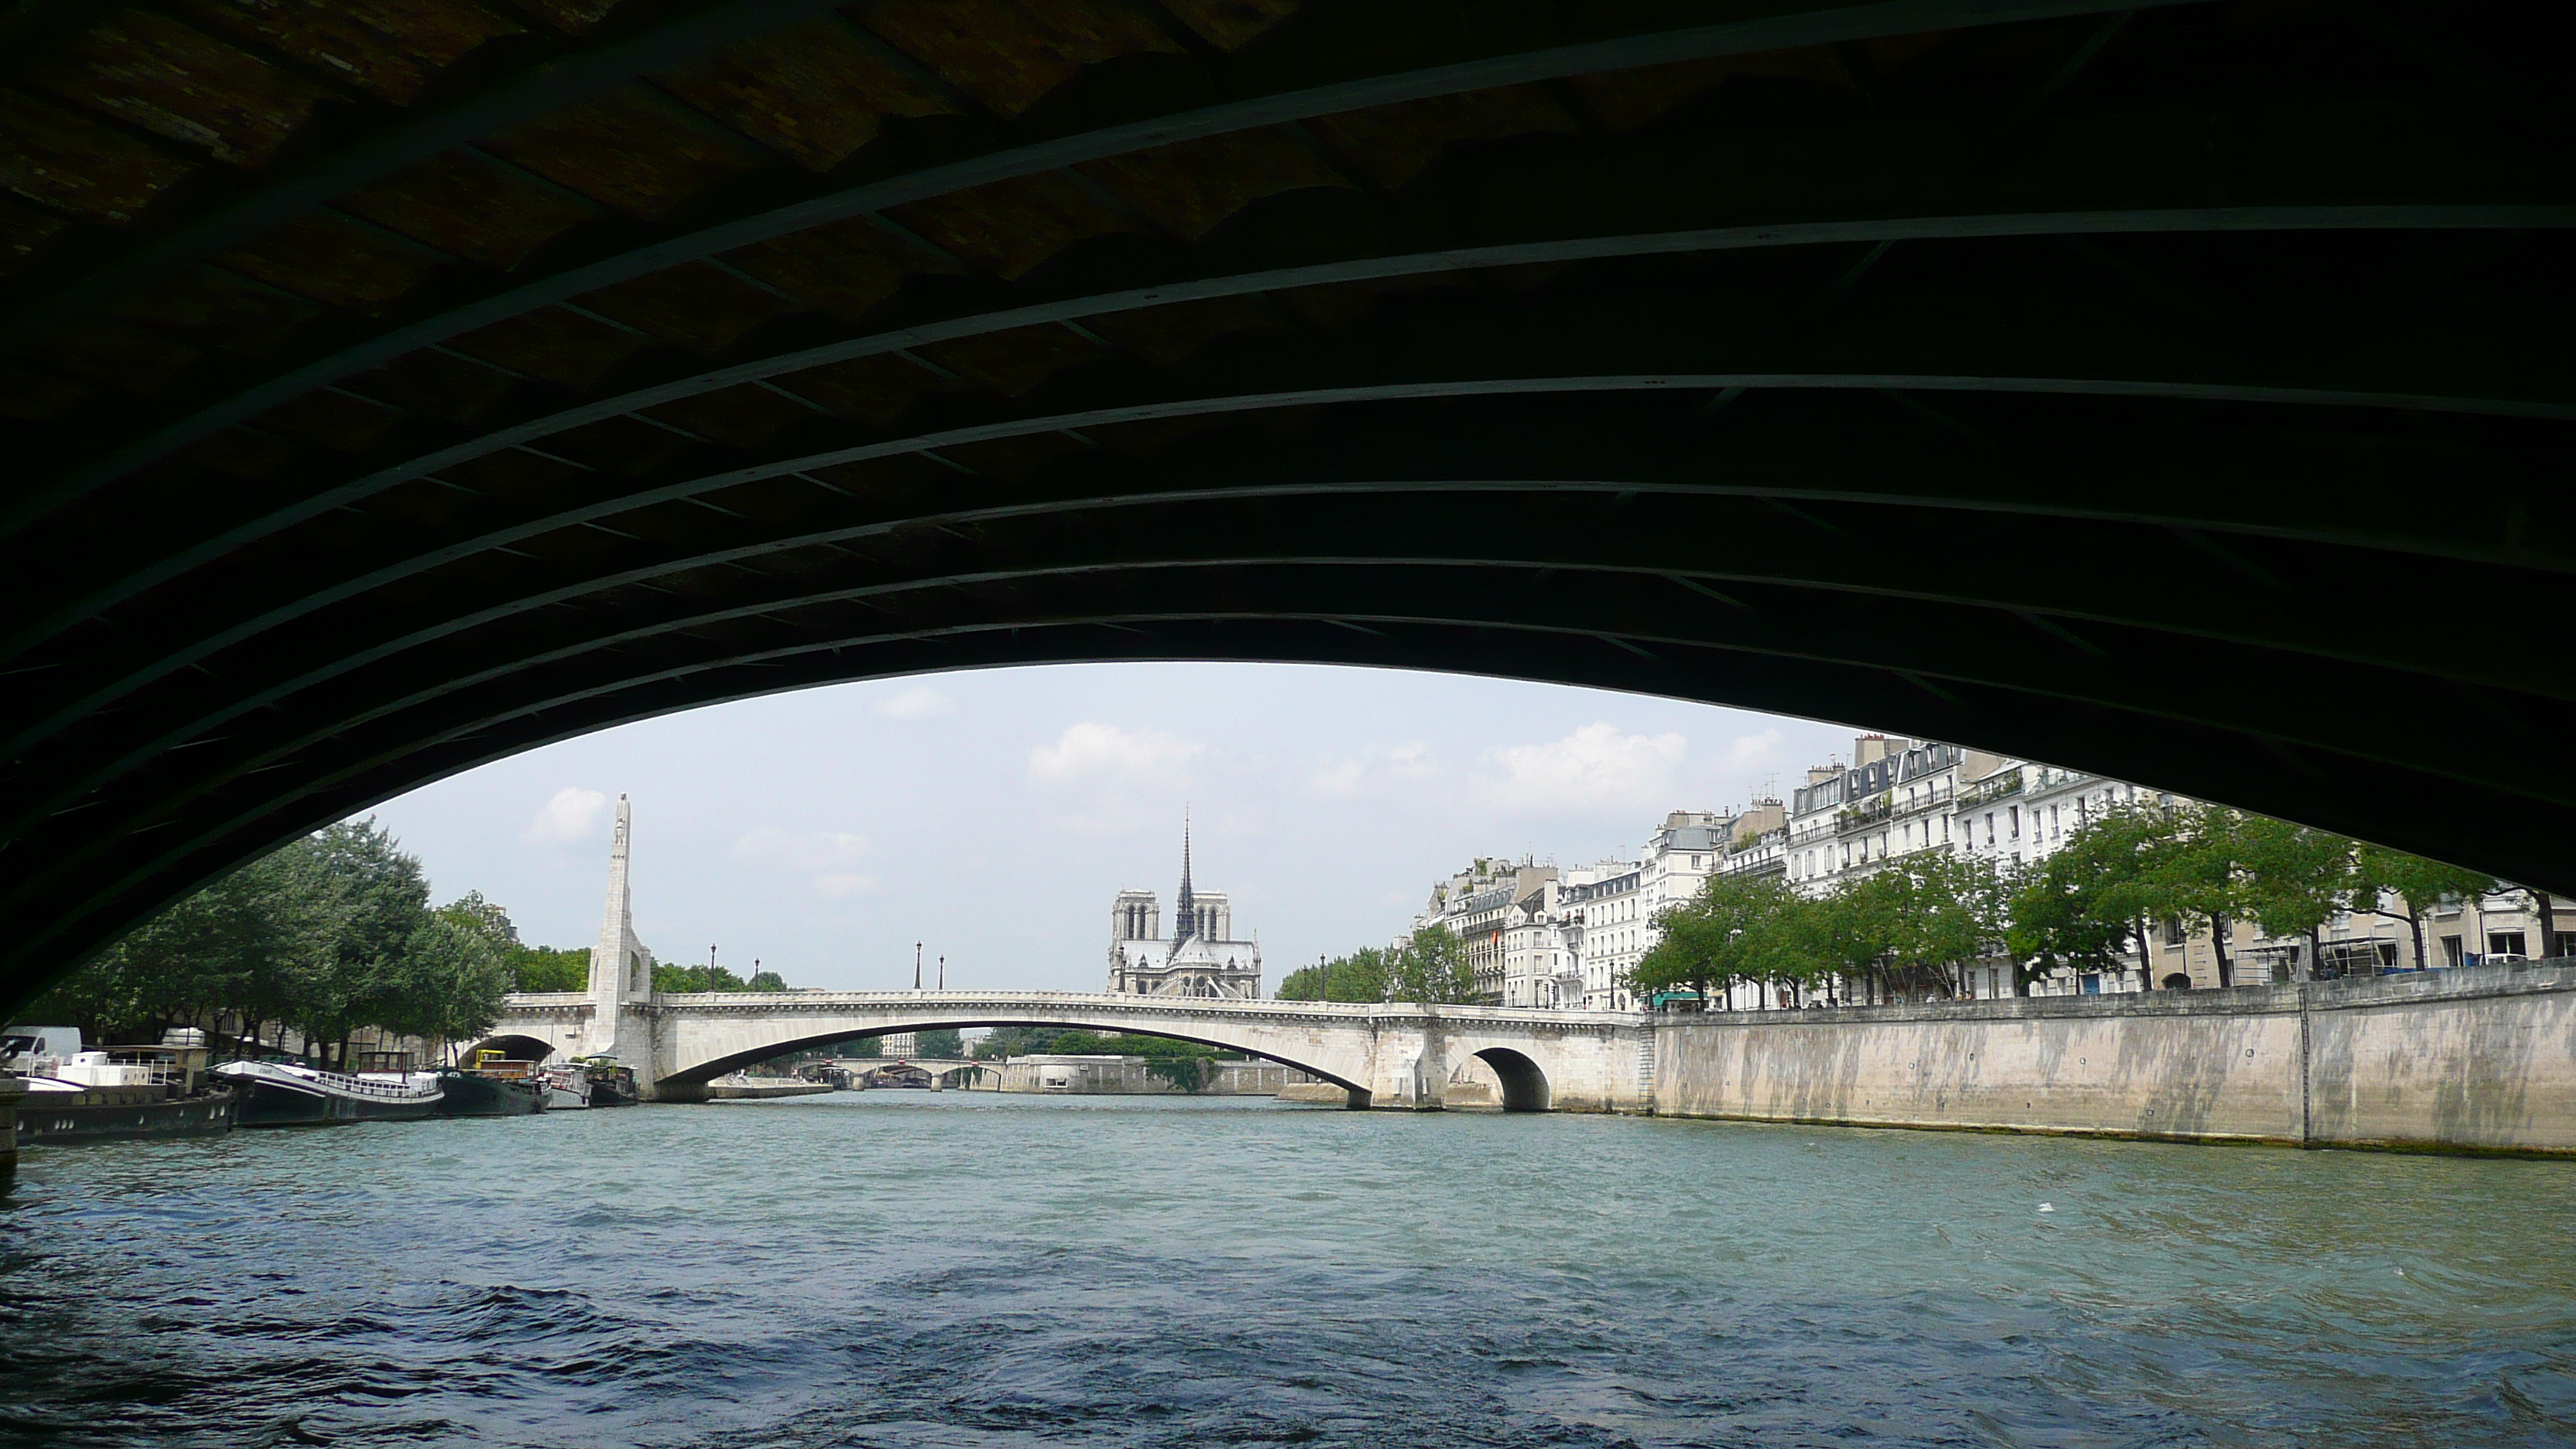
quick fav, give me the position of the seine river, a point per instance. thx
(903, 1269)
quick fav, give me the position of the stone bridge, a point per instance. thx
(1386, 1054)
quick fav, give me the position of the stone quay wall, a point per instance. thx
(2481, 1059)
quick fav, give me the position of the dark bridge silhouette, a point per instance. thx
(2177, 391)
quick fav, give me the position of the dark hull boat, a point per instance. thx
(612, 1086)
(98, 1114)
(475, 1094)
(280, 1094)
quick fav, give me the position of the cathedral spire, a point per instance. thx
(1185, 916)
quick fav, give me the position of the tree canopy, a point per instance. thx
(328, 935)
(1920, 923)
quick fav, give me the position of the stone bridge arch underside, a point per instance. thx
(2172, 390)
(1387, 1055)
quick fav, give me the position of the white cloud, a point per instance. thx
(1749, 748)
(1593, 767)
(1374, 772)
(829, 857)
(571, 815)
(917, 703)
(1094, 751)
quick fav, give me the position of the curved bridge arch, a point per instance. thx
(1387, 1054)
(676, 1085)
(2168, 390)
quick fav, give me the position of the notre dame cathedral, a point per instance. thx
(1201, 958)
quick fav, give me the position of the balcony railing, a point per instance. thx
(1990, 790)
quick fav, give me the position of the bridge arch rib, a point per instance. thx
(2023, 373)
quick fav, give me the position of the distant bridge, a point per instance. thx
(1385, 1054)
(948, 1071)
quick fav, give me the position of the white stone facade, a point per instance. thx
(621, 966)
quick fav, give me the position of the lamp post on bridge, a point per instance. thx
(916, 965)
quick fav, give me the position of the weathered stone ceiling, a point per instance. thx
(2179, 390)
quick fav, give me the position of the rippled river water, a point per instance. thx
(905, 1269)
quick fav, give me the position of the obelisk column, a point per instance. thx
(620, 968)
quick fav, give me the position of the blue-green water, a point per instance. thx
(903, 1269)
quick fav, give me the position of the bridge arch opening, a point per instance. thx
(514, 1046)
(1524, 1084)
(708, 1071)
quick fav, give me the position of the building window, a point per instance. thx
(2453, 954)
(2504, 943)
(2014, 811)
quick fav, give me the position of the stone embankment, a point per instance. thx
(2475, 1060)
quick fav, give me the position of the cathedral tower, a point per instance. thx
(1185, 915)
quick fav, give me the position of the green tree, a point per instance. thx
(456, 971)
(2293, 879)
(2057, 917)
(545, 968)
(1306, 983)
(2123, 869)
(1363, 975)
(1851, 929)
(2199, 876)
(1431, 968)
(1940, 912)
(327, 934)
(2393, 883)
(670, 979)
(944, 1043)
(384, 907)
(1734, 929)
(246, 944)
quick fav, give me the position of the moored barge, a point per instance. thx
(79, 1094)
(285, 1094)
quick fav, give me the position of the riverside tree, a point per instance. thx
(1360, 976)
(1431, 967)
(327, 935)
(548, 968)
(2073, 908)
(2292, 879)
(1748, 929)
(1923, 922)
(1941, 912)
(2403, 887)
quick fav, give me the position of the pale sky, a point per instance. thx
(993, 814)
